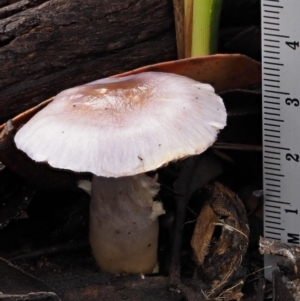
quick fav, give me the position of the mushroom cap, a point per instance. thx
(123, 126)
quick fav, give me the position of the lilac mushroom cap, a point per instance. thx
(124, 126)
(118, 129)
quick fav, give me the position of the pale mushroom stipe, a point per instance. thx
(118, 129)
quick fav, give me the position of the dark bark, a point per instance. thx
(48, 46)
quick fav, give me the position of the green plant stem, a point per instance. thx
(206, 15)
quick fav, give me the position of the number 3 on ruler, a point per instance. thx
(293, 101)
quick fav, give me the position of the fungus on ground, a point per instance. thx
(118, 129)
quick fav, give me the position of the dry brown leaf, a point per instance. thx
(222, 71)
(203, 232)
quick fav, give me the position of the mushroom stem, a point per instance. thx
(123, 223)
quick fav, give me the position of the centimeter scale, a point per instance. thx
(281, 121)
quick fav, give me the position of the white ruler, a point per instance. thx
(281, 120)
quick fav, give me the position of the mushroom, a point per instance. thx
(118, 129)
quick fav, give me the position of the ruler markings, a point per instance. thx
(272, 163)
(273, 233)
(273, 97)
(272, 102)
(274, 125)
(272, 206)
(272, 80)
(272, 136)
(273, 114)
(272, 86)
(273, 131)
(269, 17)
(269, 152)
(273, 119)
(271, 23)
(281, 123)
(268, 189)
(274, 174)
(272, 195)
(274, 29)
(270, 232)
(271, 46)
(270, 5)
(278, 202)
(271, 57)
(276, 35)
(276, 228)
(273, 190)
(271, 11)
(271, 63)
(274, 217)
(270, 108)
(277, 147)
(273, 69)
(273, 168)
(271, 222)
(270, 179)
(272, 155)
(277, 92)
(272, 141)
(272, 211)
(268, 184)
